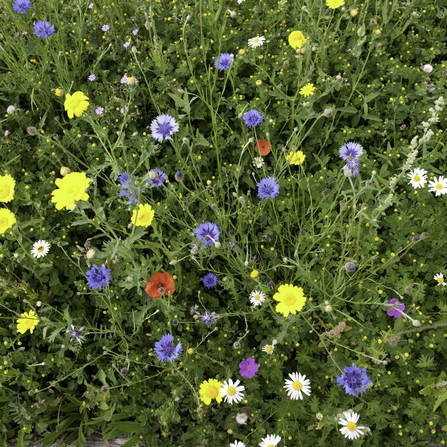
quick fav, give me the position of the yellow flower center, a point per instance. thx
(212, 392)
(290, 300)
(40, 249)
(231, 391)
(256, 40)
(440, 280)
(270, 445)
(417, 178)
(257, 297)
(5, 221)
(439, 186)
(72, 191)
(297, 385)
(351, 426)
(269, 349)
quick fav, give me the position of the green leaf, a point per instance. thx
(201, 140)
(349, 109)
(370, 117)
(440, 400)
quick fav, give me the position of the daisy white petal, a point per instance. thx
(297, 385)
(257, 298)
(268, 349)
(438, 186)
(232, 392)
(270, 440)
(350, 428)
(418, 177)
(40, 249)
(439, 277)
(257, 41)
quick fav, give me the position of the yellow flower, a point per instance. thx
(76, 104)
(334, 4)
(143, 216)
(59, 92)
(71, 189)
(291, 299)
(295, 157)
(297, 39)
(7, 219)
(7, 184)
(29, 321)
(209, 390)
(307, 90)
(254, 274)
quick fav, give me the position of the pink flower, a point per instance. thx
(248, 368)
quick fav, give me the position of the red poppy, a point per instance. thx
(160, 284)
(263, 147)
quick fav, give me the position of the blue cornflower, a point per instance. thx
(351, 151)
(350, 267)
(166, 350)
(354, 380)
(351, 168)
(268, 188)
(128, 189)
(98, 277)
(43, 29)
(209, 280)
(156, 178)
(208, 232)
(253, 118)
(76, 334)
(209, 318)
(179, 176)
(223, 62)
(164, 126)
(21, 6)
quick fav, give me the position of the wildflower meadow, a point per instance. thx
(223, 222)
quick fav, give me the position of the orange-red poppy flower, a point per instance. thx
(263, 147)
(160, 284)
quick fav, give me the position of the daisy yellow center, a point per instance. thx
(256, 40)
(270, 445)
(351, 426)
(417, 178)
(40, 248)
(290, 300)
(212, 392)
(439, 186)
(257, 297)
(440, 280)
(297, 385)
(269, 349)
(231, 391)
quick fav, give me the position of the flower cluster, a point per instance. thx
(350, 153)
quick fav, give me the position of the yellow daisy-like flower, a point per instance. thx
(29, 320)
(308, 90)
(76, 104)
(71, 189)
(58, 92)
(291, 299)
(209, 390)
(295, 157)
(7, 184)
(334, 4)
(143, 216)
(7, 219)
(254, 274)
(297, 39)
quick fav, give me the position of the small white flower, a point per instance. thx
(270, 440)
(297, 385)
(257, 297)
(232, 392)
(257, 41)
(258, 162)
(350, 428)
(438, 186)
(439, 277)
(241, 418)
(11, 109)
(418, 177)
(240, 1)
(268, 349)
(40, 249)
(427, 68)
(237, 444)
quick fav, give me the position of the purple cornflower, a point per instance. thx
(135, 32)
(209, 318)
(128, 188)
(354, 380)
(76, 334)
(43, 29)
(252, 118)
(99, 110)
(126, 44)
(351, 151)
(352, 168)
(166, 350)
(21, 6)
(395, 308)
(223, 62)
(179, 176)
(164, 126)
(268, 188)
(208, 232)
(350, 267)
(209, 280)
(98, 277)
(105, 28)
(123, 80)
(92, 77)
(248, 368)
(6, 133)
(194, 310)
(156, 178)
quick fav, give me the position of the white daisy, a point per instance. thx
(270, 441)
(440, 278)
(350, 428)
(257, 298)
(297, 385)
(232, 392)
(240, 1)
(268, 349)
(258, 162)
(257, 41)
(418, 177)
(237, 444)
(438, 186)
(40, 249)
